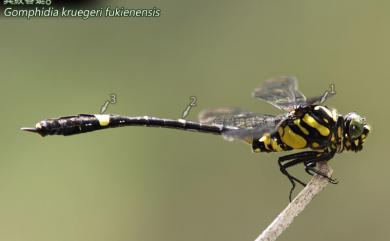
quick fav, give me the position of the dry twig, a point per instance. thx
(286, 217)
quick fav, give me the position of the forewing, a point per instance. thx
(241, 124)
(219, 116)
(282, 92)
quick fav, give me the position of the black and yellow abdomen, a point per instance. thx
(311, 127)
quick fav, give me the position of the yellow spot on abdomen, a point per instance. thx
(275, 146)
(292, 139)
(313, 123)
(266, 139)
(104, 120)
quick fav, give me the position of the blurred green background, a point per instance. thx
(158, 184)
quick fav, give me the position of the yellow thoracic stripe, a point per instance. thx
(326, 110)
(315, 144)
(290, 138)
(297, 122)
(280, 131)
(339, 132)
(313, 123)
(334, 114)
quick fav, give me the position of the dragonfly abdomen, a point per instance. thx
(71, 125)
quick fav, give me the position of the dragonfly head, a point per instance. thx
(356, 130)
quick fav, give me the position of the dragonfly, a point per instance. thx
(306, 125)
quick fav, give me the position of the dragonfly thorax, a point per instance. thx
(313, 127)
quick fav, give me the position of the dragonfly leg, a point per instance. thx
(310, 159)
(283, 169)
(311, 170)
(298, 155)
(310, 166)
(292, 160)
(292, 179)
(302, 156)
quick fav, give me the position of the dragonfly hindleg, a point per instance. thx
(292, 160)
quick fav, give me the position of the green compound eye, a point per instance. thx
(355, 129)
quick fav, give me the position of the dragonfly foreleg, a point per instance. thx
(310, 166)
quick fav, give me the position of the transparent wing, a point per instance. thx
(281, 92)
(242, 125)
(235, 117)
